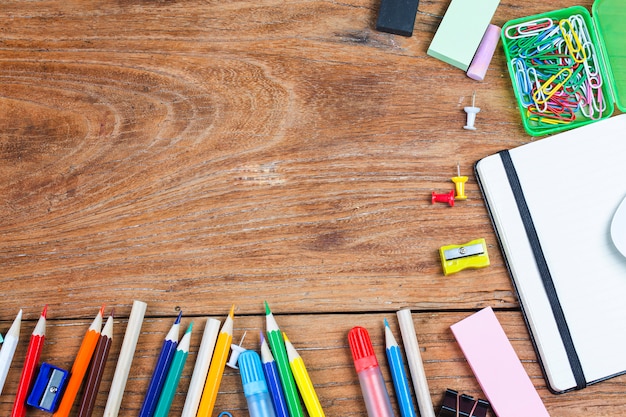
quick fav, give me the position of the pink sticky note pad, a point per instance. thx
(497, 367)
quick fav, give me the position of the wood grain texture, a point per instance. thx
(195, 154)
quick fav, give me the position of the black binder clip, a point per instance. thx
(461, 405)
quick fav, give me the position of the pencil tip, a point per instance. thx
(231, 314)
(267, 308)
(180, 314)
(386, 322)
(44, 313)
(286, 338)
(102, 310)
(112, 314)
(261, 337)
(189, 327)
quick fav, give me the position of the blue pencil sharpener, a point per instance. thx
(48, 388)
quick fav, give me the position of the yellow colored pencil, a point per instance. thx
(303, 381)
(216, 369)
(79, 368)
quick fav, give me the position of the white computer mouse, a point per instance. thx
(618, 228)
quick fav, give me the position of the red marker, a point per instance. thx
(35, 346)
(373, 387)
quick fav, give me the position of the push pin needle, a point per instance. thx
(471, 113)
(459, 183)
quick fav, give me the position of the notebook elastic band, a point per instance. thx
(544, 271)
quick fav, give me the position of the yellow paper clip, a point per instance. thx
(455, 258)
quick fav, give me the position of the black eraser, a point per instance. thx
(397, 16)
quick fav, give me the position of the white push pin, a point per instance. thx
(471, 114)
(235, 352)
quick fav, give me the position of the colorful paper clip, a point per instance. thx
(455, 258)
(461, 405)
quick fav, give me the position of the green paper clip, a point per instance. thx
(455, 258)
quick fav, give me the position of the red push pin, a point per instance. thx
(444, 198)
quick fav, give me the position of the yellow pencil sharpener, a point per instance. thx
(455, 258)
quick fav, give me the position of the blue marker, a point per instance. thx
(168, 349)
(254, 385)
(398, 374)
(273, 380)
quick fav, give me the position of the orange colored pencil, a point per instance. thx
(81, 363)
(35, 346)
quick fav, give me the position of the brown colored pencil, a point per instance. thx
(98, 362)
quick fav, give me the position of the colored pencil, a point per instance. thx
(416, 366)
(173, 375)
(201, 368)
(398, 374)
(303, 381)
(79, 368)
(33, 353)
(273, 380)
(127, 351)
(8, 348)
(96, 369)
(277, 345)
(216, 369)
(168, 349)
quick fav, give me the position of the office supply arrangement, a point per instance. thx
(572, 299)
(187, 211)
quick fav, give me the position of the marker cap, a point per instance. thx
(362, 349)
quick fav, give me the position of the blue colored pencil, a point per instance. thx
(398, 374)
(168, 349)
(173, 375)
(270, 369)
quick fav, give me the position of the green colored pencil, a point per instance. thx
(277, 344)
(173, 375)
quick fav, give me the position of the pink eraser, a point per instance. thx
(496, 366)
(484, 53)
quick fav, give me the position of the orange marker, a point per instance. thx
(81, 363)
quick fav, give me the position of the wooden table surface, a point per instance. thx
(199, 154)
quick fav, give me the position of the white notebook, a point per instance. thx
(571, 184)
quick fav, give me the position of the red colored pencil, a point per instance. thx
(35, 346)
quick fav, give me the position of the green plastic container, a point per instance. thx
(562, 90)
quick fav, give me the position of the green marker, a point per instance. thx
(277, 344)
(173, 375)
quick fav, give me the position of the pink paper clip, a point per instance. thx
(444, 198)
